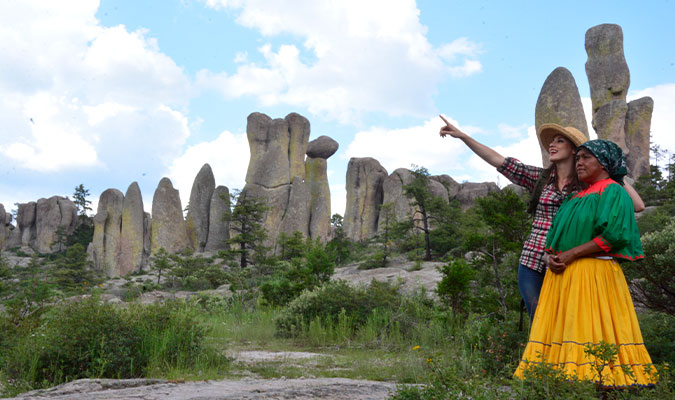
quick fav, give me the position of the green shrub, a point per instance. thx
(658, 333)
(329, 300)
(652, 278)
(292, 277)
(453, 288)
(86, 339)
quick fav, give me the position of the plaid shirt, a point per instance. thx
(549, 202)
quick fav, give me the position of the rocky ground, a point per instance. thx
(324, 388)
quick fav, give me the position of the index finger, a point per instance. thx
(444, 120)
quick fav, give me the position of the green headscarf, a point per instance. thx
(610, 156)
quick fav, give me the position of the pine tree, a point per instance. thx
(246, 220)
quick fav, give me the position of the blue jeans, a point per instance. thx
(529, 283)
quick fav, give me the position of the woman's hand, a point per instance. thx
(554, 264)
(450, 129)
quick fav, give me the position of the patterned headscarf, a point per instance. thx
(610, 156)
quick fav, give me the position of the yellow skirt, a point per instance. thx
(586, 304)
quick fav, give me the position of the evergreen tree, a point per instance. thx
(246, 220)
(339, 244)
(80, 199)
(505, 225)
(428, 208)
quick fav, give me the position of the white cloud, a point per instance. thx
(356, 57)
(228, 156)
(77, 95)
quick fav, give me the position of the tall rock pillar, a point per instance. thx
(365, 177)
(608, 76)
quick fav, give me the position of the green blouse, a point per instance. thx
(602, 213)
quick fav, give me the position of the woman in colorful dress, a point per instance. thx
(585, 299)
(548, 188)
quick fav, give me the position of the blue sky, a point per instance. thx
(109, 92)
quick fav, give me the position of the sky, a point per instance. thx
(105, 93)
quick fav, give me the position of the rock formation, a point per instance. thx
(168, 225)
(609, 79)
(25, 221)
(470, 191)
(365, 177)
(294, 190)
(4, 226)
(105, 246)
(133, 252)
(559, 102)
(316, 176)
(197, 220)
(42, 224)
(219, 228)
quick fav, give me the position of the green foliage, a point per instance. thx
(658, 332)
(83, 232)
(499, 227)
(311, 268)
(428, 208)
(330, 299)
(453, 288)
(246, 221)
(192, 272)
(339, 246)
(652, 278)
(87, 339)
(80, 199)
(292, 246)
(72, 271)
(160, 262)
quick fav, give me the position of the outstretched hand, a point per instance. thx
(450, 129)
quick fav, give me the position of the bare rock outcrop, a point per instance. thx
(219, 228)
(316, 176)
(197, 219)
(365, 177)
(254, 389)
(4, 227)
(470, 191)
(296, 217)
(637, 127)
(268, 141)
(132, 238)
(298, 128)
(51, 215)
(279, 175)
(107, 231)
(168, 225)
(609, 78)
(25, 222)
(559, 103)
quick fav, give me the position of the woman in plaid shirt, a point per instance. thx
(562, 180)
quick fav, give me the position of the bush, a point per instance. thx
(297, 275)
(658, 333)
(453, 289)
(334, 298)
(86, 339)
(652, 278)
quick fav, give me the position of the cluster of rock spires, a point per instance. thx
(38, 224)
(627, 124)
(369, 186)
(125, 236)
(289, 173)
(295, 191)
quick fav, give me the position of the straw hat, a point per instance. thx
(547, 132)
